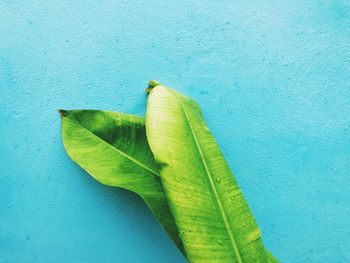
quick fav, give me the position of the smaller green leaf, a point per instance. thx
(112, 148)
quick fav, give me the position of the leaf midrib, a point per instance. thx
(213, 187)
(116, 149)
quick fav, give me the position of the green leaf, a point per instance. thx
(112, 148)
(81, 128)
(214, 220)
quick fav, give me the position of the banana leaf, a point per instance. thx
(211, 214)
(100, 141)
(112, 148)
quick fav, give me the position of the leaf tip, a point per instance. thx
(152, 84)
(62, 113)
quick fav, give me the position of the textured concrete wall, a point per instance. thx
(272, 78)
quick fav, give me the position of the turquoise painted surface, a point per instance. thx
(272, 78)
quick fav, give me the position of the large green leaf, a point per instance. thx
(214, 220)
(112, 147)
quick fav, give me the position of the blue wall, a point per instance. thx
(273, 80)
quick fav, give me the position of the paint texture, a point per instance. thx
(272, 79)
